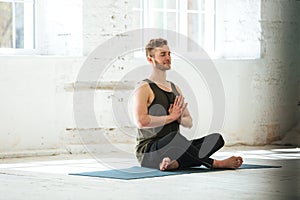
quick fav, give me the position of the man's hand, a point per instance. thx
(176, 110)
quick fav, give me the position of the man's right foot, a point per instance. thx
(168, 164)
(232, 162)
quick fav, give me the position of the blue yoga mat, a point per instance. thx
(143, 172)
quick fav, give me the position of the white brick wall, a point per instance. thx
(59, 27)
(104, 19)
(261, 94)
(238, 29)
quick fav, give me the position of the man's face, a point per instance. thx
(162, 58)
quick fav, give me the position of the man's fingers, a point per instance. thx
(170, 108)
(184, 107)
(179, 101)
(176, 101)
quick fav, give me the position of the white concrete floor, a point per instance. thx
(47, 178)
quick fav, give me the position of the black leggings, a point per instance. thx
(187, 153)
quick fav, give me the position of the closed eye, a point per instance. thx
(164, 53)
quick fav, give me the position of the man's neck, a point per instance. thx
(159, 77)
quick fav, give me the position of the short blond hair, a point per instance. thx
(154, 43)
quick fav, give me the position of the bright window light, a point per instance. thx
(193, 18)
(17, 30)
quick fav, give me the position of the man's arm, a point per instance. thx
(142, 118)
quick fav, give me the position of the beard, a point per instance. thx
(162, 66)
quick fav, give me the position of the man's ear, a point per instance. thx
(150, 59)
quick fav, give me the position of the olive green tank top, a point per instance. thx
(159, 107)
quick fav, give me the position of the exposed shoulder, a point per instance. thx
(143, 94)
(142, 86)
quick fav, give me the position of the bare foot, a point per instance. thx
(232, 162)
(168, 164)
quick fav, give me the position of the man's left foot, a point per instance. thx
(232, 162)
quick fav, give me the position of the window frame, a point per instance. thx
(182, 11)
(32, 33)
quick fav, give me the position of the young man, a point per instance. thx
(159, 110)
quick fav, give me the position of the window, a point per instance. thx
(41, 27)
(230, 31)
(17, 24)
(192, 18)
